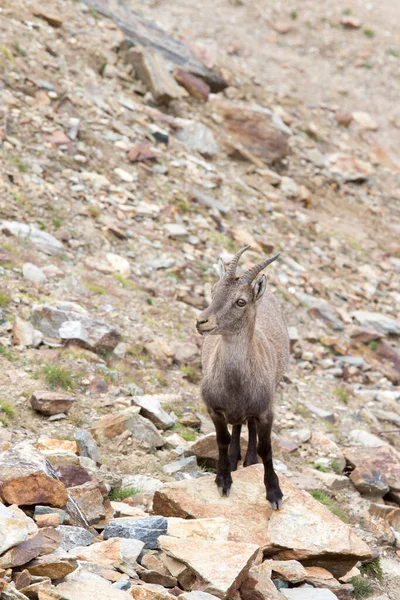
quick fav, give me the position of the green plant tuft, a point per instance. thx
(342, 394)
(372, 569)
(4, 300)
(121, 494)
(7, 413)
(56, 376)
(362, 587)
(369, 33)
(329, 503)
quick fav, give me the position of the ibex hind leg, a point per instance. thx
(223, 478)
(264, 449)
(234, 447)
(251, 457)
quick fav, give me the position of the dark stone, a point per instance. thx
(146, 529)
(87, 446)
(74, 536)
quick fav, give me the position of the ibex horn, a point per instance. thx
(252, 273)
(231, 270)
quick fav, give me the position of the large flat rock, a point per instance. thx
(383, 461)
(303, 529)
(221, 565)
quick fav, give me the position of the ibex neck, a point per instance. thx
(243, 338)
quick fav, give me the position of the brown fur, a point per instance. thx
(244, 356)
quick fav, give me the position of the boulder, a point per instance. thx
(46, 242)
(197, 138)
(71, 536)
(51, 403)
(89, 589)
(56, 565)
(221, 565)
(308, 593)
(33, 273)
(27, 478)
(145, 529)
(90, 500)
(206, 450)
(378, 322)
(68, 322)
(24, 334)
(13, 531)
(150, 408)
(129, 419)
(253, 131)
(87, 445)
(109, 552)
(382, 465)
(258, 586)
(44, 541)
(304, 529)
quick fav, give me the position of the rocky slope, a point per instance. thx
(123, 179)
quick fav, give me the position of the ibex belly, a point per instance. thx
(229, 393)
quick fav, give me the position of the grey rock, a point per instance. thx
(87, 445)
(198, 138)
(146, 529)
(183, 465)
(197, 596)
(176, 231)
(48, 510)
(316, 157)
(185, 352)
(322, 413)
(45, 241)
(365, 438)
(69, 322)
(150, 408)
(72, 537)
(308, 593)
(322, 310)
(377, 321)
(289, 187)
(33, 273)
(146, 485)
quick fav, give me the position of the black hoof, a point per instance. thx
(224, 483)
(275, 498)
(250, 461)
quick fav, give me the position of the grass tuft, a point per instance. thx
(56, 376)
(4, 300)
(96, 289)
(8, 354)
(342, 394)
(122, 494)
(369, 33)
(372, 569)
(329, 503)
(7, 413)
(362, 587)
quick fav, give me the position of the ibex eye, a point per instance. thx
(241, 302)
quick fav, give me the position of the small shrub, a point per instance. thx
(336, 467)
(126, 283)
(57, 377)
(94, 212)
(329, 503)
(161, 379)
(190, 374)
(373, 344)
(7, 413)
(321, 468)
(8, 354)
(342, 395)
(96, 289)
(4, 300)
(294, 15)
(369, 33)
(122, 494)
(57, 222)
(41, 224)
(372, 569)
(362, 587)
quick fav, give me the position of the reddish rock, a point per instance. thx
(254, 130)
(51, 403)
(90, 501)
(141, 152)
(194, 85)
(44, 541)
(55, 566)
(384, 461)
(27, 478)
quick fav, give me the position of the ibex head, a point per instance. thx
(234, 299)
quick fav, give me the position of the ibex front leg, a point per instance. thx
(264, 449)
(223, 479)
(234, 448)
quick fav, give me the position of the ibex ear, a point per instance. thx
(220, 268)
(260, 287)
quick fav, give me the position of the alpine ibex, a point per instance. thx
(243, 360)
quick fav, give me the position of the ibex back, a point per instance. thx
(243, 361)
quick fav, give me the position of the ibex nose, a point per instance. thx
(201, 322)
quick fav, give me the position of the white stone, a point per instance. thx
(289, 187)
(308, 593)
(176, 231)
(45, 241)
(32, 273)
(119, 264)
(124, 175)
(381, 323)
(365, 438)
(13, 530)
